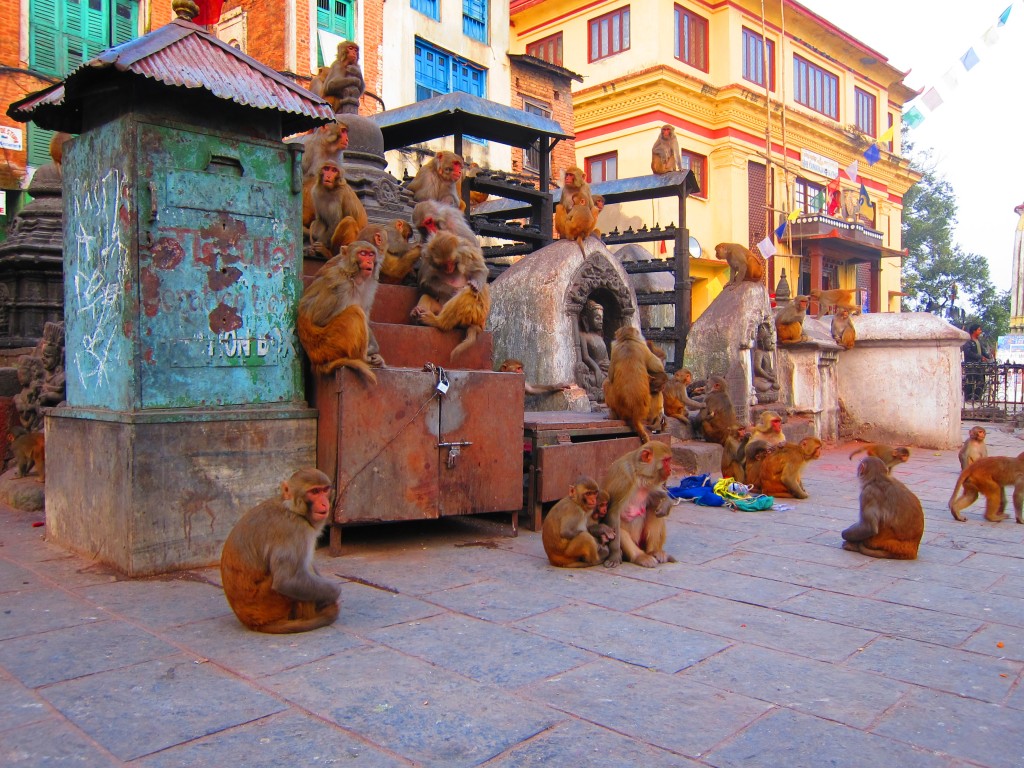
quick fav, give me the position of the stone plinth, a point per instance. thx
(901, 383)
(809, 382)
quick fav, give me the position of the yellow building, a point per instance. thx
(726, 79)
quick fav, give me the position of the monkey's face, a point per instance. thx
(666, 468)
(588, 501)
(776, 425)
(977, 433)
(341, 142)
(330, 176)
(454, 172)
(429, 225)
(318, 502)
(365, 260)
(666, 132)
(570, 179)
(352, 54)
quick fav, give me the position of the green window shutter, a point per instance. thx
(75, 21)
(38, 145)
(45, 43)
(126, 21)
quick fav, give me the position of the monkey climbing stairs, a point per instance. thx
(428, 440)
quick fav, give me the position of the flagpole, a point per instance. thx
(766, 73)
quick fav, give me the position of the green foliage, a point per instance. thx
(938, 275)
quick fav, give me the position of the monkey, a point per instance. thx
(645, 530)
(891, 517)
(453, 288)
(475, 197)
(988, 476)
(575, 192)
(789, 321)
(578, 222)
(843, 332)
(267, 562)
(631, 480)
(743, 262)
(393, 241)
(343, 84)
(567, 540)
(733, 445)
(430, 217)
(601, 532)
(28, 450)
(316, 82)
(627, 390)
(439, 179)
(718, 413)
(598, 207)
(973, 448)
(781, 468)
(325, 143)
(511, 365)
(57, 142)
(665, 153)
(332, 318)
(836, 298)
(768, 429)
(331, 210)
(677, 399)
(659, 380)
(754, 454)
(886, 453)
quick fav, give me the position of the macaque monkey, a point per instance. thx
(431, 217)
(973, 448)
(754, 454)
(475, 198)
(743, 262)
(565, 534)
(28, 450)
(836, 299)
(631, 481)
(516, 366)
(843, 332)
(598, 207)
(677, 398)
(57, 142)
(440, 180)
(343, 85)
(601, 532)
(325, 143)
(733, 464)
(332, 319)
(331, 210)
(988, 476)
(891, 517)
(665, 153)
(453, 288)
(717, 414)
(789, 321)
(768, 429)
(627, 390)
(267, 562)
(782, 467)
(393, 241)
(578, 221)
(886, 453)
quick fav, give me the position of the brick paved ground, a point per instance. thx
(765, 645)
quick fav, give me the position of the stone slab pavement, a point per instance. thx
(458, 645)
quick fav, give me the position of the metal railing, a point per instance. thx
(992, 391)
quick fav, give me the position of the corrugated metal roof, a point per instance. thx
(180, 55)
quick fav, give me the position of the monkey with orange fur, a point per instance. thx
(267, 562)
(565, 534)
(343, 83)
(718, 414)
(575, 208)
(28, 450)
(627, 390)
(633, 482)
(789, 321)
(988, 476)
(431, 217)
(511, 365)
(891, 517)
(843, 331)
(782, 467)
(333, 313)
(331, 210)
(665, 156)
(325, 143)
(835, 299)
(453, 288)
(393, 241)
(886, 453)
(677, 397)
(744, 263)
(440, 180)
(973, 448)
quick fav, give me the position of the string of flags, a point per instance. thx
(931, 100)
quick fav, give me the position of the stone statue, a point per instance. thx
(30, 377)
(42, 379)
(762, 364)
(51, 350)
(592, 369)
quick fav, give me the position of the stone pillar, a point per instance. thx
(1017, 293)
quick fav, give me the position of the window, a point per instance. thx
(753, 59)
(806, 196)
(474, 19)
(531, 157)
(64, 33)
(609, 34)
(890, 144)
(864, 104)
(602, 167)
(440, 72)
(691, 39)
(815, 88)
(699, 165)
(431, 8)
(334, 16)
(549, 49)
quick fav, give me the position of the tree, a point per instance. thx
(938, 275)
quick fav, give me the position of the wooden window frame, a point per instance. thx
(621, 15)
(815, 87)
(865, 102)
(695, 51)
(755, 38)
(551, 44)
(600, 160)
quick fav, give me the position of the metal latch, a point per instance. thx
(454, 449)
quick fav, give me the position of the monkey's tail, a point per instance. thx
(361, 367)
(859, 450)
(957, 487)
(472, 332)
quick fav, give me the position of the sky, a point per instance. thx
(975, 134)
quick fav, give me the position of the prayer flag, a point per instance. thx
(991, 36)
(1005, 15)
(888, 135)
(873, 154)
(781, 230)
(851, 170)
(864, 199)
(795, 214)
(913, 117)
(767, 248)
(932, 99)
(950, 79)
(819, 201)
(969, 59)
(833, 202)
(833, 186)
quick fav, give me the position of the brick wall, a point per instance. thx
(370, 53)
(265, 30)
(552, 91)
